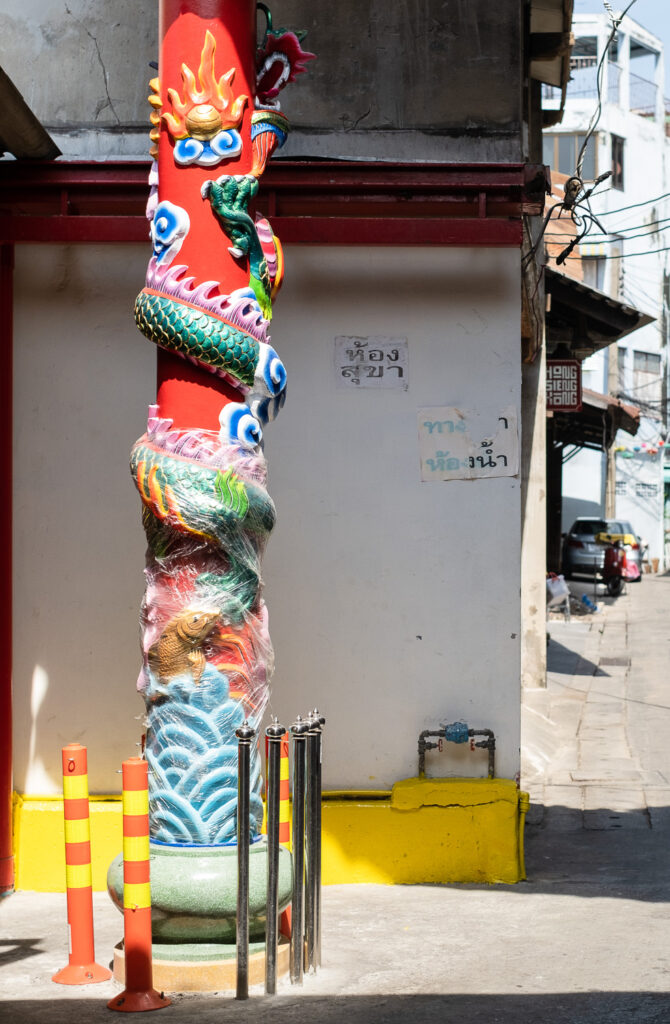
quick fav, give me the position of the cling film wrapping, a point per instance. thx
(207, 656)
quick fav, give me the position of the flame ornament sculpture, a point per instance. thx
(200, 471)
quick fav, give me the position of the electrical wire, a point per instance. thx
(616, 21)
(622, 256)
(613, 241)
(634, 206)
(605, 237)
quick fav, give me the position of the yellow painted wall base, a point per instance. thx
(427, 830)
(39, 841)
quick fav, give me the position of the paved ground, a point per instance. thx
(586, 939)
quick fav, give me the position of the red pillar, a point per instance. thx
(6, 432)
(188, 395)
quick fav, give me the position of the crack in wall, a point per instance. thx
(100, 106)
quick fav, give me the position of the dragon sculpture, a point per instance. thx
(207, 656)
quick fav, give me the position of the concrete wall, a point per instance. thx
(533, 523)
(439, 80)
(394, 605)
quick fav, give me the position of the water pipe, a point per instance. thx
(457, 732)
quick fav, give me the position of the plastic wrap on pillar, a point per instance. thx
(199, 469)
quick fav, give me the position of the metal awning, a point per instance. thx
(595, 426)
(21, 134)
(585, 319)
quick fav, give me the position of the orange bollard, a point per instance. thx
(139, 993)
(284, 823)
(82, 968)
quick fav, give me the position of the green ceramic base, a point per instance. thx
(194, 892)
(202, 952)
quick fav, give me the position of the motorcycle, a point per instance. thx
(615, 568)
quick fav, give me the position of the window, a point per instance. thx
(561, 152)
(593, 268)
(647, 382)
(617, 162)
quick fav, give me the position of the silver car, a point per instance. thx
(583, 556)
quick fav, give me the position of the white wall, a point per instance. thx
(394, 605)
(640, 497)
(83, 378)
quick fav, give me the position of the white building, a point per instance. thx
(628, 259)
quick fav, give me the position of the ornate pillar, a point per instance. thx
(199, 469)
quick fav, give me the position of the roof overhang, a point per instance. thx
(585, 319)
(550, 45)
(596, 425)
(21, 134)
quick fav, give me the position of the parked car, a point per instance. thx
(582, 555)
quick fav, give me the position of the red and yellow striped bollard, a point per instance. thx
(139, 993)
(284, 822)
(81, 968)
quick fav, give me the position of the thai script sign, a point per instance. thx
(375, 362)
(456, 444)
(564, 385)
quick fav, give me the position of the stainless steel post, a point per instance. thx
(298, 731)
(274, 733)
(312, 838)
(245, 736)
(317, 885)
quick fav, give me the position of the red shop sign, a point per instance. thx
(564, 385)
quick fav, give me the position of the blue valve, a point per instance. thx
(457, 732)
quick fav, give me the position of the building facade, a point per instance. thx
(625, 255)
(393, 579)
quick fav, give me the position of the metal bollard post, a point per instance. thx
(312, 838)
(245, 735)
(317, 884)
(274, 734)
(299, 732)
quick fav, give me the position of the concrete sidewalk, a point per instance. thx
(586, 939)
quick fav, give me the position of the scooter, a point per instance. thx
(615, 568)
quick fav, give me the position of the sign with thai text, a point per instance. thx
(375, 362)
(457, 444)
(564, 385)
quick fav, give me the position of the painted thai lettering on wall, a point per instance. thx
(461, 444)
(375, 362)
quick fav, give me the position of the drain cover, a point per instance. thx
(614, 661)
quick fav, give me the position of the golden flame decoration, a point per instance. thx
(155, 117)
(209, 109)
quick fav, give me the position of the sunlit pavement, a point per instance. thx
(585, 939)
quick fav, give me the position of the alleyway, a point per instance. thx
(586, 939)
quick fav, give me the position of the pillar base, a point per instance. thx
(194, 893)
(81, 974)
(204, 967)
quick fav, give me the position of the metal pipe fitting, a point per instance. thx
(274, 734)
(299, 733)
(458, 732)
(245, 736)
